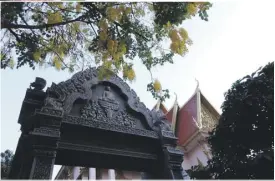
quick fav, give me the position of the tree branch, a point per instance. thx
(6, 24)
(14, 34)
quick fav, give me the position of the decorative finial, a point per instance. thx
(198, 84)
(158, 105)
(176, 97)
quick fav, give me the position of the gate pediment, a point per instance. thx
(87, 97)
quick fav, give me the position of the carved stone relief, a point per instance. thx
(61, 96)
(107, 109)
(42, 168)
(160, 120)
(107, 126)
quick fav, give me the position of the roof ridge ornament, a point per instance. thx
(176, 99)
(198, 84)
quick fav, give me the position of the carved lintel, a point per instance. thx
(108, 126)
(50, 112)
(45, 153)
(105, 150)
(45, 131)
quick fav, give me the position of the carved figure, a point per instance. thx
(39, 84)
(160, 120)
(108, 102)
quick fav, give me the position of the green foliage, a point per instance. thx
(6, 160)
(76, 35)
(243, 143)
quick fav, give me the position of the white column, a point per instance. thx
(76, 171)
(92, 174)
(111, 174)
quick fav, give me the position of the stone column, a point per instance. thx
(42, 166)
(92, 174)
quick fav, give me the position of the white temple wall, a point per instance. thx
(191, 159)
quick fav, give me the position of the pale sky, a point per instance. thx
(236, 41)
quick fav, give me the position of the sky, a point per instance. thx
(238, 38)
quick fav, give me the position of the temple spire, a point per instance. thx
(199, 121)
(175, 111)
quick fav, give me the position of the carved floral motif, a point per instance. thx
(209, 122)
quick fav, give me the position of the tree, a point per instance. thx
(6, 159)
(242, 144)
(75, 35)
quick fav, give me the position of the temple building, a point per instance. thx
(190, 123)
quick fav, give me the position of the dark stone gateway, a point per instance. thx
(89, 122)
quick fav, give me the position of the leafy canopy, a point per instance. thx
(6, 159)
(76, 35)
(243, 143)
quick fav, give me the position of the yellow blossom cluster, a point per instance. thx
(78, 7)
(179, 38)
(57, 62)
(129, 73)
(157, 86)
(37, 55)
(54, 18)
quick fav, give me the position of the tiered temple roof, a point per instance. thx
(196, 116)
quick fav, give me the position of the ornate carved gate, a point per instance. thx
(93, 123)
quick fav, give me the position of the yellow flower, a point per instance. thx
(110, 45)
(157, 86)
(103, 24)
(191, 9)
(183, 33)
(174, 35)
(174, 46)
(57, 63)
(128, 11)
(122, 48)
(54, 18)
(112, 13)
(78, 7)
(36, 56)
(168, 25)
(131, 74)
(103, 35)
